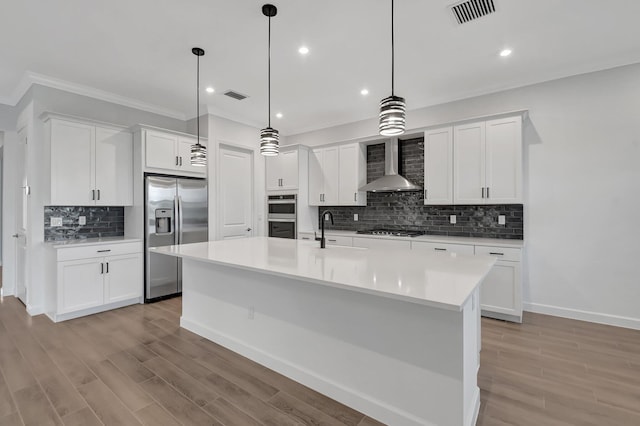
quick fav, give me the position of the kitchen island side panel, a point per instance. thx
(399, 362)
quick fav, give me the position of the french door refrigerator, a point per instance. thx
(175, 213)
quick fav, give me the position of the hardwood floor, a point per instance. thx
(136, 366)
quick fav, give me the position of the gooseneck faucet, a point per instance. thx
(322, 239)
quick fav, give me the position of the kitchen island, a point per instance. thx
(394, 334)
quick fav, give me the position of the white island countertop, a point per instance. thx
(442, 280)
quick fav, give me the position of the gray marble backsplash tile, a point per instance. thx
(406, 210)
(102, 221)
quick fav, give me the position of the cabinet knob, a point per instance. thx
(248, 229)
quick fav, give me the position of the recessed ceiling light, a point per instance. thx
(279, 115)
(505, 52)
(303, 50)
(210, 89)
(364, 92)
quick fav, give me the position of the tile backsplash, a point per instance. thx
(406, 210)
(101, 222)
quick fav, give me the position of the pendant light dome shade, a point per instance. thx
(393, 108)
(198, 151)
(269, 137)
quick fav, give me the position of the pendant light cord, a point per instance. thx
(198, 100)
(269, 74)
(392, 54)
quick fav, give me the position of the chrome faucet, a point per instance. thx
(322, 239)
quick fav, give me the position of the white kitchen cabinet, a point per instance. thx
(438, 166)
(501, 290)
(488, 162)
(282, 170)
(352, 174)
(95, 278)
(323, 176)
(90, 164)
(338, 240)
(442, 247)
(308, 236)
(165, 151)
(381, 243)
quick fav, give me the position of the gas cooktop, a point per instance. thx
(391, 232)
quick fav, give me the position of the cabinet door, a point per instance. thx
(273, 167)
(500, 292)
(289, 169)
(469, 164)
(330, 172)
(352, 175)
(80, 284)
(160, 150)
(316, 180)
(123, 277)
(114, 167)
(72, 175)
(184, 156)
(504, 160)
(438, 166)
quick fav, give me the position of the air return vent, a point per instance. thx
(235, 95)
(472, 9)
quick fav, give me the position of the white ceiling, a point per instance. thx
(141, 50)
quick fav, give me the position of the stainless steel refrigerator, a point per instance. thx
(175, 213)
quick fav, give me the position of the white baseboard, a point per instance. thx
(35, 310)
(600, 318)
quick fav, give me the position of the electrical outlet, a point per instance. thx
(252, 312)
(452, 219)
(82, 220)
(502, 219)
(56, 221)
(355, 217)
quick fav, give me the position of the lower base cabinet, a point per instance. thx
(96, 278)
(501, 290)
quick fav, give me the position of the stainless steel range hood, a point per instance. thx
(391, 181)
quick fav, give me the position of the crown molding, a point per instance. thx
(30, 78)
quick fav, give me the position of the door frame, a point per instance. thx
(22, 190)
(224, 145)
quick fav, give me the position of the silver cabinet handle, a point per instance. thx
(107, 267)
(102, 268)
(496, 253)
(487, 192)
(425, 194)
(103, 251)
(355, 196)
(15, 235)
(181, 161)
(248, 229)
(483, 192)
(93, 194)
(98, 194)
(332, 241)
(440, 249)
(177, 161)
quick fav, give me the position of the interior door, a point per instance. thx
(22, 221)
(236, 192)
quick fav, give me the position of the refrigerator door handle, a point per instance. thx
(180, 223)
(176, 216)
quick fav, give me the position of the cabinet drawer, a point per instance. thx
(308, 236)
(502, 253)
(98, 250)
(439, 247)
(387, 244)
(339, 240)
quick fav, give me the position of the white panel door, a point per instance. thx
(288, 169)
(504, 160)
(469, 164)
(22, 220)
(72, 175)
(330, 172)
(123, 277)
(438, 166)
(351, 176)
(80, 284)
(114, 167)
(316, 178)
(235, 192)
(160, 150)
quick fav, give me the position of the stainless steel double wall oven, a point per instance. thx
(282, 216)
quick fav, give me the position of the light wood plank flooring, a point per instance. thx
(136, 366)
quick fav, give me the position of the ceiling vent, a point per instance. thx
(470, 10)
(235, 95)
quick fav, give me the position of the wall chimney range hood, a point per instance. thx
(391, 181)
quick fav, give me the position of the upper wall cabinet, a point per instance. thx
(167, 152)
(352, 174)
(282, 170)
(90, 164)
(438, 166)
(323, 176)
(335, 175)
(487, 162)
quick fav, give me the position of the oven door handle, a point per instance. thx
(281, 202)
(283, 220)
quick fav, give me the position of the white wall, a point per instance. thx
(582, 187)
(221, 130)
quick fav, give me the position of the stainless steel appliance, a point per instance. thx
(175, 213)
(282, 216)
(391, 232)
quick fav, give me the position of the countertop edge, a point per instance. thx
(90, 242)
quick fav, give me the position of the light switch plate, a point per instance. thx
(82, 220)
(502, 220)
(355, 217)
(452, 219)
(56, 221)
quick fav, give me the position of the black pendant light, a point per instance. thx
(198, 151)
(269, 137)
(393, 108)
